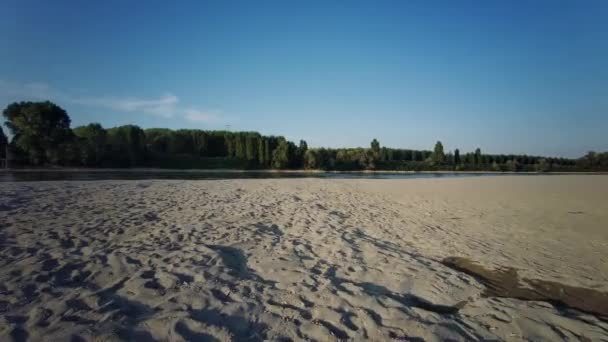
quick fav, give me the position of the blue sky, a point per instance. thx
(507, 76)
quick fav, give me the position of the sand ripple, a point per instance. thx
(285, 259)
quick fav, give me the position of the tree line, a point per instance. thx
(42, 136)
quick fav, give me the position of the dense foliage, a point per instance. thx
(41, 130)
(41, 136)
(3, 143)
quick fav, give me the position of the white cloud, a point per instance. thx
(167, 105)
(28, 91)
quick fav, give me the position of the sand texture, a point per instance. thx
(305, 259)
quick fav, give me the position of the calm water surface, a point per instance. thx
(196, 175)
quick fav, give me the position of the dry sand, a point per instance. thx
(297, 259)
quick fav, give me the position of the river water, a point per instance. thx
(80, 175)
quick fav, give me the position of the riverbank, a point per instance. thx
(325, 259)
(159, 170)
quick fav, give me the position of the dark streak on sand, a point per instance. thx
(505, 282)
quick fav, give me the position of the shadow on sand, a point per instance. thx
(505, 282)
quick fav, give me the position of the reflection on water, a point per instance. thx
(66, 175)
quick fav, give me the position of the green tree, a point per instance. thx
(389, 154)
(127, 145)
(300, 152)
(181, 142)
(261, 152)
(311, 160)
(240, 148)
(157, 140)
(449, 158)
(367, 159)
(280, 156)
(40, 129)
(229, 145)
(384, 154)
(251, 147)
(542, 165)
(512, 165)
(375, 145)
(217, 145)
(457, 157)
(292, 154)
(495, 166)
(200, 141)
(303, 146)
(267, 152)
(477, 157)
(438, 154)
(93, 143)
(469, 158)
(3, 144)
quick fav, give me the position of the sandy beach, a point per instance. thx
(300, 259)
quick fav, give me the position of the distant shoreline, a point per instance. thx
(159, 170)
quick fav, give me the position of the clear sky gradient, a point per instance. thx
(507, 76)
